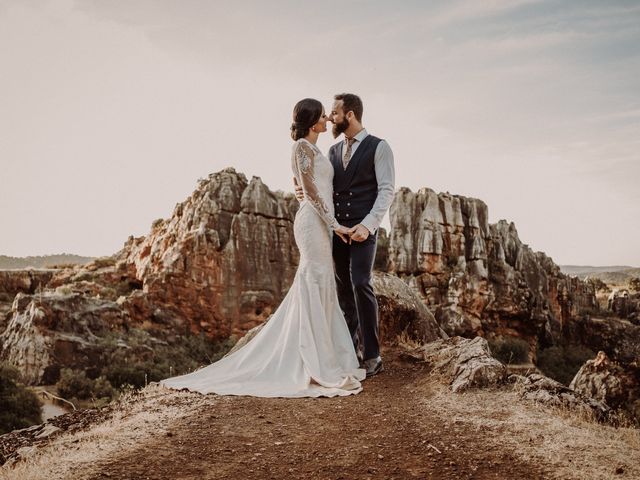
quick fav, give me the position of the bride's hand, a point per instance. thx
(299, 191)
(343, 233)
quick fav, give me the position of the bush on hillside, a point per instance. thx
(19, 406)
(128, 366)
(510, 350)
(562, 362)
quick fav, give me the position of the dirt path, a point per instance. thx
(383, 432)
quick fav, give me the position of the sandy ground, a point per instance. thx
(404, 424)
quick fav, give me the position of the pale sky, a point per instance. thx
(110, 111)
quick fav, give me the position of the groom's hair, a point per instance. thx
(351, 103)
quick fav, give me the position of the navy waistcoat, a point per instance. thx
(356, 188)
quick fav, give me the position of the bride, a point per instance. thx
(304, 349)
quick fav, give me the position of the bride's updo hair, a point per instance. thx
(306, 114)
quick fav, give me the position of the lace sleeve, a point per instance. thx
(304, 160)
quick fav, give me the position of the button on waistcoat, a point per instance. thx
(355, 188)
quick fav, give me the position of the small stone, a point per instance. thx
(47, 431)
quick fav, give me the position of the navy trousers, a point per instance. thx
(353, 263)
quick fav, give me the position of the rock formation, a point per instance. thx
(479, 278)
(225, 258)
(53, 330)
(466, 363)
(219, 265)
(13, 282)
(625, 305)
(608, 382)
(401, 312)
(541, 389)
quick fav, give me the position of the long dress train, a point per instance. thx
(305, 349)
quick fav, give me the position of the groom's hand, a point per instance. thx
(299, 191)
(359, 233)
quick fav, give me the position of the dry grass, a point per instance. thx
(137, 418)
(403, 340)
(571, 442)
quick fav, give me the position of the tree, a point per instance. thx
(19, 406)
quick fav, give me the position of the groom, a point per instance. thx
(363, 187)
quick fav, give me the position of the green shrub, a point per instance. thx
(119, 373)
(510, 349)
(562, 362)
(141, 361)
(19, 406)
(102, 388)
(76, 387)
(102, 262)
(74, 384)
(124, 366)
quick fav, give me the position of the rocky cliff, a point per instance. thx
(479, 278)
(222, 262)
(219, 266)
(13, 282)
(224, 259)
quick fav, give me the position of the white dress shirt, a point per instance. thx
(385, 175)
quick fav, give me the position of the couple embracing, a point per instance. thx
(323, 338)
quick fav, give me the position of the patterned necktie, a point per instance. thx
(347, 154)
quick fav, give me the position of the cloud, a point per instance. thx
(529, 105)
(464, 10)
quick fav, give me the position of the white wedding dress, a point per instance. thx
(304, 349)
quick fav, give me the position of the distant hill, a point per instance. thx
(616, 274)
(41, 261)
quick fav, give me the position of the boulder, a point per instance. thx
(608, 382)
(466, 363)
(541, 389)
(402, 312)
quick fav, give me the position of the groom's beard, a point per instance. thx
(339, 128)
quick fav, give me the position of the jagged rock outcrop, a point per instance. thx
(401, 312)
(479, 278)
(606, 381)
(225, 258)
(542, 389)
(50, 331)
(467, 363)
(625, 305)
(219, 265)
(13, 282)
